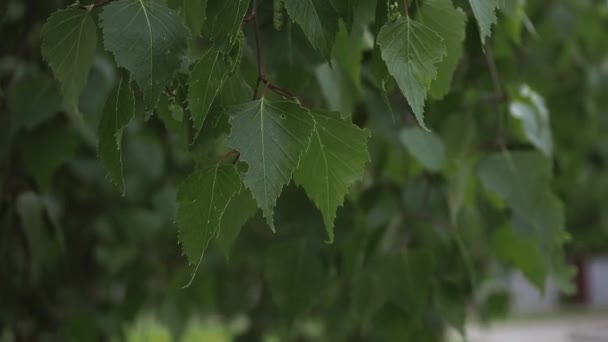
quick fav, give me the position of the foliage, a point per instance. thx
(316, 170)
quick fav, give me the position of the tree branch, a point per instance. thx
(258, 53)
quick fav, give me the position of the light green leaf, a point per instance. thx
(195, 14)
(530, 109)
(521, 252)
(118, 111)
(223, 23)
(239, 211)
(318, 21)
(202, 201)
(450, 23)
(522, 179)
(411, 52)
(485, 13)
(204, 83)
(426, 147)
(148, 39)
(69, 41)
(271, 136)
(334, 161)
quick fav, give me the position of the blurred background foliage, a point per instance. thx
(79, 261)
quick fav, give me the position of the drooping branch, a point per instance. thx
(253, 17)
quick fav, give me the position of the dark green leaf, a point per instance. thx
(318, 21)
(205, 82)
(117, 113)
(202, 201)
(148, 39)
(223, 23)
(239, 211)
(271, 136)
(46, 148)
(69, 41)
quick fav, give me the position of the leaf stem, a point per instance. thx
(258, 48)
(407, 13)
(96, 4)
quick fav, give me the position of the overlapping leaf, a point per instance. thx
(271, 137)
(69, 41)
(148, 39)
(205, 82)
(522, 180)
(224, 19)
(195, 14)
(239, 211)
(334, 161)
(426, 147)
(411, 52)
(450, 23)
(202, 201)
(485, 13)
(118, 111)
(318, 21)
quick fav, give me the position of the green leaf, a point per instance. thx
(46, 148)
(271, 136)
(411, 52)
(450, 23)
(530, 109)
(426, 147)
(346, 10)
(522, 179)
(195, 14)
(69, 41)
(406, 279)
(172, 116)
(118, 111)
(521, 252)
(148, 39)
(223, 23)
(202, 201)
(485, 13)
(318, 21)
(32, 100)
(295, 276)
(204, 83)
(334, 161)
(239, 211)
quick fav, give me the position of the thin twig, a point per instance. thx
(499, 93)
(494, 73)
(258, 48)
